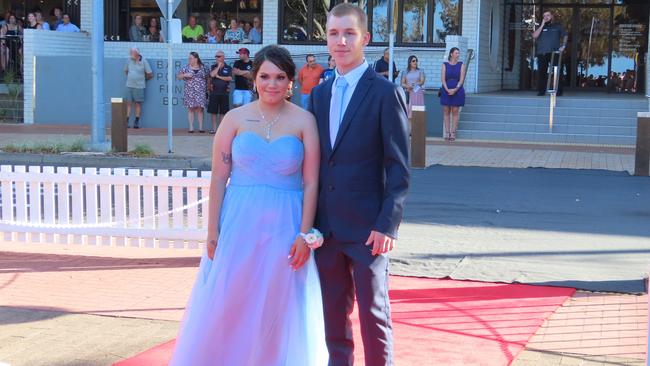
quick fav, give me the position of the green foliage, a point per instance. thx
(45, 147)
(78, 146)
(142, 151)
(11, 104)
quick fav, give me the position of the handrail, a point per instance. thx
(554, 72)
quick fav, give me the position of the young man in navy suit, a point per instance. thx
(364, 179)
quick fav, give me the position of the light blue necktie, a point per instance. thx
(337, 111)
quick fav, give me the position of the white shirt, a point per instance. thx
(352, 78)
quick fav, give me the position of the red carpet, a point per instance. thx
(445, 322)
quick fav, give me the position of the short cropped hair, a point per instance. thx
(308, 56)
(344, 9)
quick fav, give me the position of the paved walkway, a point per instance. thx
(460, 153)
(71, 305)
(80, 304)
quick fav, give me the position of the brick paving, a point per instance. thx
(592, 329)
(95, 306)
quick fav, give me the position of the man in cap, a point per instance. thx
(242, 69)
(220, 78)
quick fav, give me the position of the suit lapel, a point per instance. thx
(356, 101)
(324, 115)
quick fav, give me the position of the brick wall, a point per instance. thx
(489, 49)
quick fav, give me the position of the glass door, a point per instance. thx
(591, 49)
(586, 57)
(630, 37)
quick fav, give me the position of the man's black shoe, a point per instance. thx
(136, 125)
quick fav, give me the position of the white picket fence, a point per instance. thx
(107, 206)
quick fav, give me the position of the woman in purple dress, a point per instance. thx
(413, 83)
(452, 94)
(196, 76)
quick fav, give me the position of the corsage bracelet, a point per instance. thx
(313, 238)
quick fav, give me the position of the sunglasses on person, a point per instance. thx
(218, 56)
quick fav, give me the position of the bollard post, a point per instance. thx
(642, 154)
(119, 141)
(418, 137)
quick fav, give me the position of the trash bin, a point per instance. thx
(119, 141)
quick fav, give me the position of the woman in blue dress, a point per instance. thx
(257, 299)
(452, 94)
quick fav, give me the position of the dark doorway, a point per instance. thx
(606, 49)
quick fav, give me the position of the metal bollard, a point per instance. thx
(642, 155)
(418, 137)
(119, 141)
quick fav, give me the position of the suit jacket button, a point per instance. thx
(330, 188)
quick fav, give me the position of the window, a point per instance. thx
(415, 21)
(420, 22)
(424, 22)
(119, 16)
(380, 27)
(446, 19)
(303, 21)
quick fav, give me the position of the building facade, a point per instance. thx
(607, 51)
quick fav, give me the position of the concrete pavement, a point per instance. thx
(439, 152)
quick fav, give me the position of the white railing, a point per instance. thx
(107, 206)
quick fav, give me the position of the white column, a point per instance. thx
(86, 15)
(270, 21)
(470, 31)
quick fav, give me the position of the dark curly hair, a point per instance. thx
(279, 56)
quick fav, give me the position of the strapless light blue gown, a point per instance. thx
(248, 307)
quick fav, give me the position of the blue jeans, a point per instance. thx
(304, 101)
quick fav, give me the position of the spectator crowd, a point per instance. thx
(215, 31)
(11, 33)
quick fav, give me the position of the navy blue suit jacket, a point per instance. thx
(364, 178)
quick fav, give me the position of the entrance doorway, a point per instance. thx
(606, 49)
(586, 58)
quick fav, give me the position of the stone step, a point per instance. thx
(580, 102)
(543, 119)
(546, 137)
(544, 127)
(544, 111)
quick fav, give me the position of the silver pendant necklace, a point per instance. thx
(269, 125)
